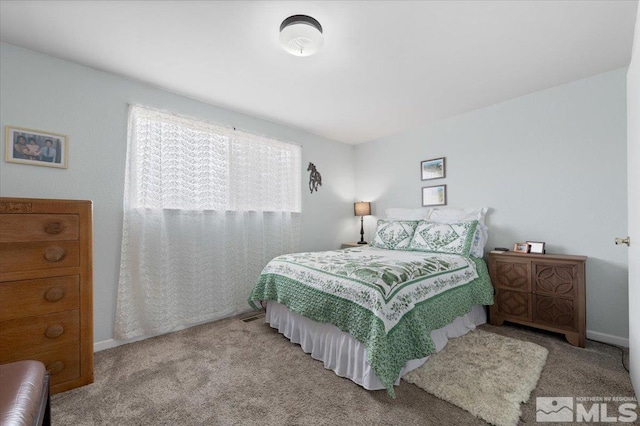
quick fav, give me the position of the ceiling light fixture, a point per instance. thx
(301, 35)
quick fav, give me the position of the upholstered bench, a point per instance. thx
(24, 394)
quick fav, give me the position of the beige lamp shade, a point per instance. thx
(362, 208)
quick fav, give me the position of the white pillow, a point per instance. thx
(463, 215)
(407, 214)
(458, 215)
(479, 241)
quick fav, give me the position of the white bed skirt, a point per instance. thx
(346, 356)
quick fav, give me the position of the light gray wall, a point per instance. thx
(41, 92)
(551, 166)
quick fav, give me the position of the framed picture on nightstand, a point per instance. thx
(536, 247)
(521, 248)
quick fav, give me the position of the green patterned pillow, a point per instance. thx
(452, 238)
(394, 234)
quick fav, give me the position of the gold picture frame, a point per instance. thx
(36, 147)
(521, 247)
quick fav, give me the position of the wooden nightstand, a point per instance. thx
(546, 291)
(354, 244)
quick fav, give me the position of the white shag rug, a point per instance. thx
(484, 373)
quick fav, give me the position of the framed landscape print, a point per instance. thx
(432, 169)
(36, 147)
(434, 195)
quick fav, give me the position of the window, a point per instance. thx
(180, 163)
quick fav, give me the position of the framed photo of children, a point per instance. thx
(36, 147)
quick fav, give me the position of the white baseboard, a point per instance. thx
(608, 338)
(104, 344)
(112, 343)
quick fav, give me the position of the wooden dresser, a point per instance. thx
(546, 291)
(46, 274)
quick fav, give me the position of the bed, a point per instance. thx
(373, 313)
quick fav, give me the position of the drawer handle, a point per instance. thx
(54, 254)
(53, 228)
(54, 331)
(55, 367)
(54, 294)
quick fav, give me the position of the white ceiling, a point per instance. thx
(385, 65)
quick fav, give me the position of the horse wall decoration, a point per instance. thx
(315, 179)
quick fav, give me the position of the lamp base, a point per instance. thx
(362, 241)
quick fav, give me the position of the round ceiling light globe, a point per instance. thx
(301, 35)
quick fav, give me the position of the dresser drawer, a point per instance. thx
(38, 227)
(49, 332)
(42, 255)
(27, 298)
(63, 364)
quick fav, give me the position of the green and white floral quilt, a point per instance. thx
(390, 300)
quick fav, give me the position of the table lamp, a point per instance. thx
(362, 209)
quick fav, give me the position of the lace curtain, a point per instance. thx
(205, 208)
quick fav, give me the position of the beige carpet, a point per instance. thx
(235, 373)
(485, 374)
